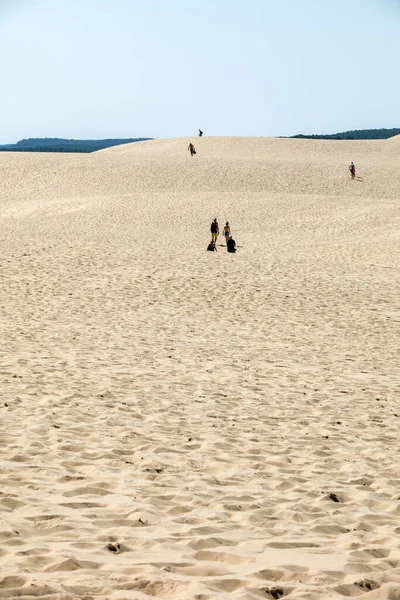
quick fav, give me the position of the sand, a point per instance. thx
(180, 424)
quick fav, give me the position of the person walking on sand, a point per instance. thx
(200, 133)
(214, 230)
(191, 149)
(352, 169)
(227, 231)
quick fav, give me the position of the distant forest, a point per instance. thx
(61, 145)
(357, 134)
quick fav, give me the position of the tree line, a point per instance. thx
(356, 134)
(65, 145)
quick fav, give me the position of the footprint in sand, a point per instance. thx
(224, 557)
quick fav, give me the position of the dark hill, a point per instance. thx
(356, 134)
(62, 145)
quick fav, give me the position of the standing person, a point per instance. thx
(227, 231)
(191, 149)
(214, 230)
(200, 133)
(231, 244)
(352, 169)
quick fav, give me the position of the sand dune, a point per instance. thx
(188, 425)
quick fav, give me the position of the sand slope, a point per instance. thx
(229, 424)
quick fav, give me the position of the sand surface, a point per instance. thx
(229, 424)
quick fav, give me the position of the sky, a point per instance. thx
(164, 68)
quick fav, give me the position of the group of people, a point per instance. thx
(230, 242)
(191, 148)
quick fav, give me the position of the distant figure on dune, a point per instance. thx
(352, 169)
(200, 133)
(212, 247)
(231, 244)
(227, 231)
(191, 149)
(214, 231)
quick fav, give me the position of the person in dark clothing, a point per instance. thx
(214, 230)
(231, 244)
(212, 247)
(200, 133)
(191, 149)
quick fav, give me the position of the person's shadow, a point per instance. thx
(359, 178)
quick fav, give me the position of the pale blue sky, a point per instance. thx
(163, 68)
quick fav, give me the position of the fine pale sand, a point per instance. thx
(181, 424)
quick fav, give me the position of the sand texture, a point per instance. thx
(181, 424)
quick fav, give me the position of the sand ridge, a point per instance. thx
(181, 424)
